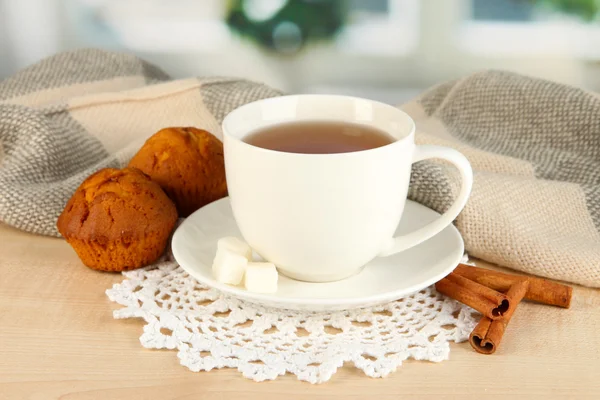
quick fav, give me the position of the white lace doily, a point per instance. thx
(211, 330)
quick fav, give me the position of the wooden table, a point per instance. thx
(58, 340)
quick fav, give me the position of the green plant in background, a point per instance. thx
(285, 26)
(584, 9)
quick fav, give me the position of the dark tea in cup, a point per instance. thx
(318, 137)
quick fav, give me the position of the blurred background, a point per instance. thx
(387, 50)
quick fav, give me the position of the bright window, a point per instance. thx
(385, 49)
(511, 28)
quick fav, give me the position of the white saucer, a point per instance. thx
(382, 280)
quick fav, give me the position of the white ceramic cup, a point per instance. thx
(322, 217)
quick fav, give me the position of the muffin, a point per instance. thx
(118, 220)
(187, 163)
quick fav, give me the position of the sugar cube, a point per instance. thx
(261, 277)
(229, 267)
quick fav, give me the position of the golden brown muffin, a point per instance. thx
(187, 163)
(118, 220)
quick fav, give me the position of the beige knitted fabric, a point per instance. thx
(534, 146)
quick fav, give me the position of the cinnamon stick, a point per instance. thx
(487, 335)
(540, 290)
(487, 301)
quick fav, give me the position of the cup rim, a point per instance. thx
(396, 143)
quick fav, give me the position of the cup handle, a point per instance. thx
(423, 152)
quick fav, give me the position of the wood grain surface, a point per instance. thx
(58, 340)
